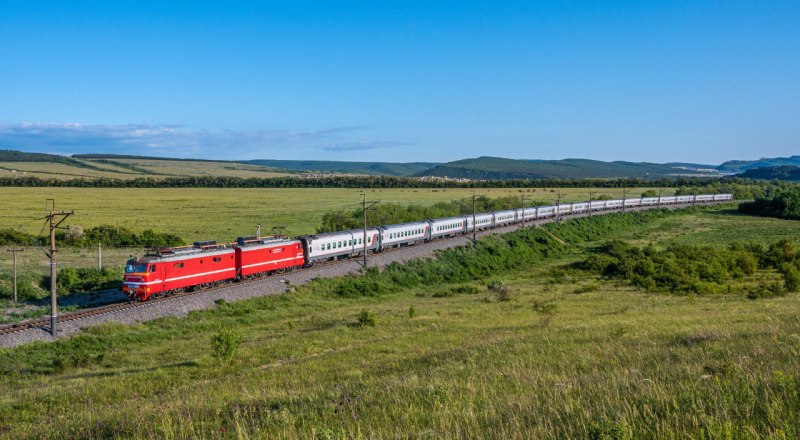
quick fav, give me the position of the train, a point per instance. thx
(165, 271)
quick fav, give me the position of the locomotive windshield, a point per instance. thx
(133, 267)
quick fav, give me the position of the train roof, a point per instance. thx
(183, 252)
(458, 217)
(329, 234)
(397, 225)
(263, 241)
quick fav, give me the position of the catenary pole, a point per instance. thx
(54, 224)
(558, 208)
(624, 195)
(474, 225)
(364, 207)
(589, 221)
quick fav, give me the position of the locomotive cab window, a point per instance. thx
(152, 268)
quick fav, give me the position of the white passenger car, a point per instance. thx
(545, 211)
(339, 244)
(598, 205)
(614, 204)
(443, 227)
(406, 233)
(484, 221)
(578, 208)
(502, 218)
(668, 200)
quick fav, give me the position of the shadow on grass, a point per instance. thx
(184, 364)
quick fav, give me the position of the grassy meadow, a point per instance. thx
(224, 214)
(560, 355)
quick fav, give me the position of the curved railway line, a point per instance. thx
(44, 323)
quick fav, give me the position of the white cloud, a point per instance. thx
(177, 140)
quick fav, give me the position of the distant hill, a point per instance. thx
(90, 166)
(130, 156)
(114, 166)
(787, 172)
(19, 156)
(372, 168)
(738, 166)
(487, 168)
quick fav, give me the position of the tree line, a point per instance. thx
(720, 184)
(107, 235)
(780, 202)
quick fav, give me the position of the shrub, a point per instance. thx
(608, 430)
(500, 290)
(791, 277)
(366, 318)
(544, 307)
(70, 280)
(412, 312)
(224, 344)
(650, 193)
(765, 290)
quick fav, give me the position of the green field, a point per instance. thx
(224, 214)
(567, 356)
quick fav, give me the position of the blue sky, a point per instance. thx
(402, 80)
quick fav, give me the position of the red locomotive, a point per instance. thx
(164, 271)
(256, 256)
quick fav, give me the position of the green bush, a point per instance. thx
(366, 318)
(500, 290)
(224, 344)
(650, 193)
(26, 287)
(765, 290)
(85, 279)
(791, 277)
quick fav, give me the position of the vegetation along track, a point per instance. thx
(44, 323)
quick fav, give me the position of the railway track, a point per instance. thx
(44, 323)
